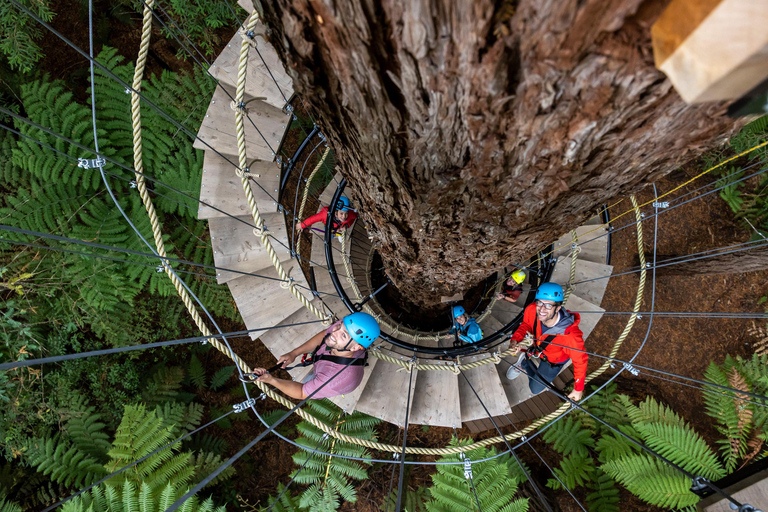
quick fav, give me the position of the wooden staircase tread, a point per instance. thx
(218, 128)
(262, 303)
(594, 221)
(436, 401)
(595, 274)
(330, 190)
(592, 248)
(283, 340)
(517, 390)
(505, 311)
(348, 401)
(247, 5)
(588, 320)
(490, 325)
(222, 190)
(236, 247)
(487, 384)
(386, 393)
(258, 82)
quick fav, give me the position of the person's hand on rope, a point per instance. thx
(499, 296)
(286, 359)
(299, 227)
(575, 395)
(516, 349)
(264, 376)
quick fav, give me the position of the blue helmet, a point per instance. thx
(362, 328)
(458, 311)
(550, 291)
(343, 204)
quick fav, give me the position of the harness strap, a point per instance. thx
(539, 346)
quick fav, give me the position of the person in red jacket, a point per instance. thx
(343, 219)
(557, 338)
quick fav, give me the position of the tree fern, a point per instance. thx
(604, 496)
(64, 463)
(196, 372)
(492, 479)
(221, 377)
(8, 506)
(129, 497)
(163, 385)
(86, 431)
(179, 417)
(339, 471)
(575, 470)
(287, 502)
(652, 481)
(568, 436)
(202, 442)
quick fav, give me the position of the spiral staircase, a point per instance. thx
(440, 398)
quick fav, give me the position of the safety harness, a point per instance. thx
(313, 357)
(539, 345)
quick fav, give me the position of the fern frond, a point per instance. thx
(652, 481)
(569, 437)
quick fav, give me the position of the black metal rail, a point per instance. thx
(541, 272)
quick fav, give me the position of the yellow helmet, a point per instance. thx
(518, 276)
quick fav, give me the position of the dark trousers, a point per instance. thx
(546, 372)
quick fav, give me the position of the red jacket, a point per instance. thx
(573, 338)
(322, 216)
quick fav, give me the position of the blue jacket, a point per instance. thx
(470, 332)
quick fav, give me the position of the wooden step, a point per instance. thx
(263, 303)
(280, 341)
(236, 247)
(490, 325)
(590, 314)
(517, 390)
(330, 190)
(487, 384)
(275, 89)
(349, 401)
(505, 311)
(218, 128)
(593, 249)
(221, 188)
(386, 392)
(246, 4)
(437, 399)
(590, 290)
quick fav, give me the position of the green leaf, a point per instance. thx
(221, 377)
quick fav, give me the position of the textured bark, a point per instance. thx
(474, 133)
(753, 260)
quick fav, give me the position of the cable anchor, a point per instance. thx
(631, 369)
(467, 468)
(85, 163)
(244, 405)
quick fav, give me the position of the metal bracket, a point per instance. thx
(244, 405)
(467, 468)
(661, 204)
(631, 369)
(85, 163)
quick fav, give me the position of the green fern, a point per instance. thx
(129, 497)
(207, 443)
(163, 385)
(575, 470)
(569, 437)
(652, 481)
(206, 463)
(493, 481)
(221, 377)
(287, 503)
(64, 463)
(7, 506)
(196, 372)
(340, 472)
(604, 496)
(180, 418)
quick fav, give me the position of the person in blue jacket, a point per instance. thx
(469, 331)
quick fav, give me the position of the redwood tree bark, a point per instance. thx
(473, 133)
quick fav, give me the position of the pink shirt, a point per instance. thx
(346, 382)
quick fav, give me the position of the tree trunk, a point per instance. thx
(473, 133)
(752, 260)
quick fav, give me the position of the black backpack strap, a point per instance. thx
(539, 346)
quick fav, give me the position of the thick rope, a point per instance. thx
(572, 276)
(141, 185)
(304, 197)
(260, 231)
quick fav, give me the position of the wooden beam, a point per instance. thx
(712, 50)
